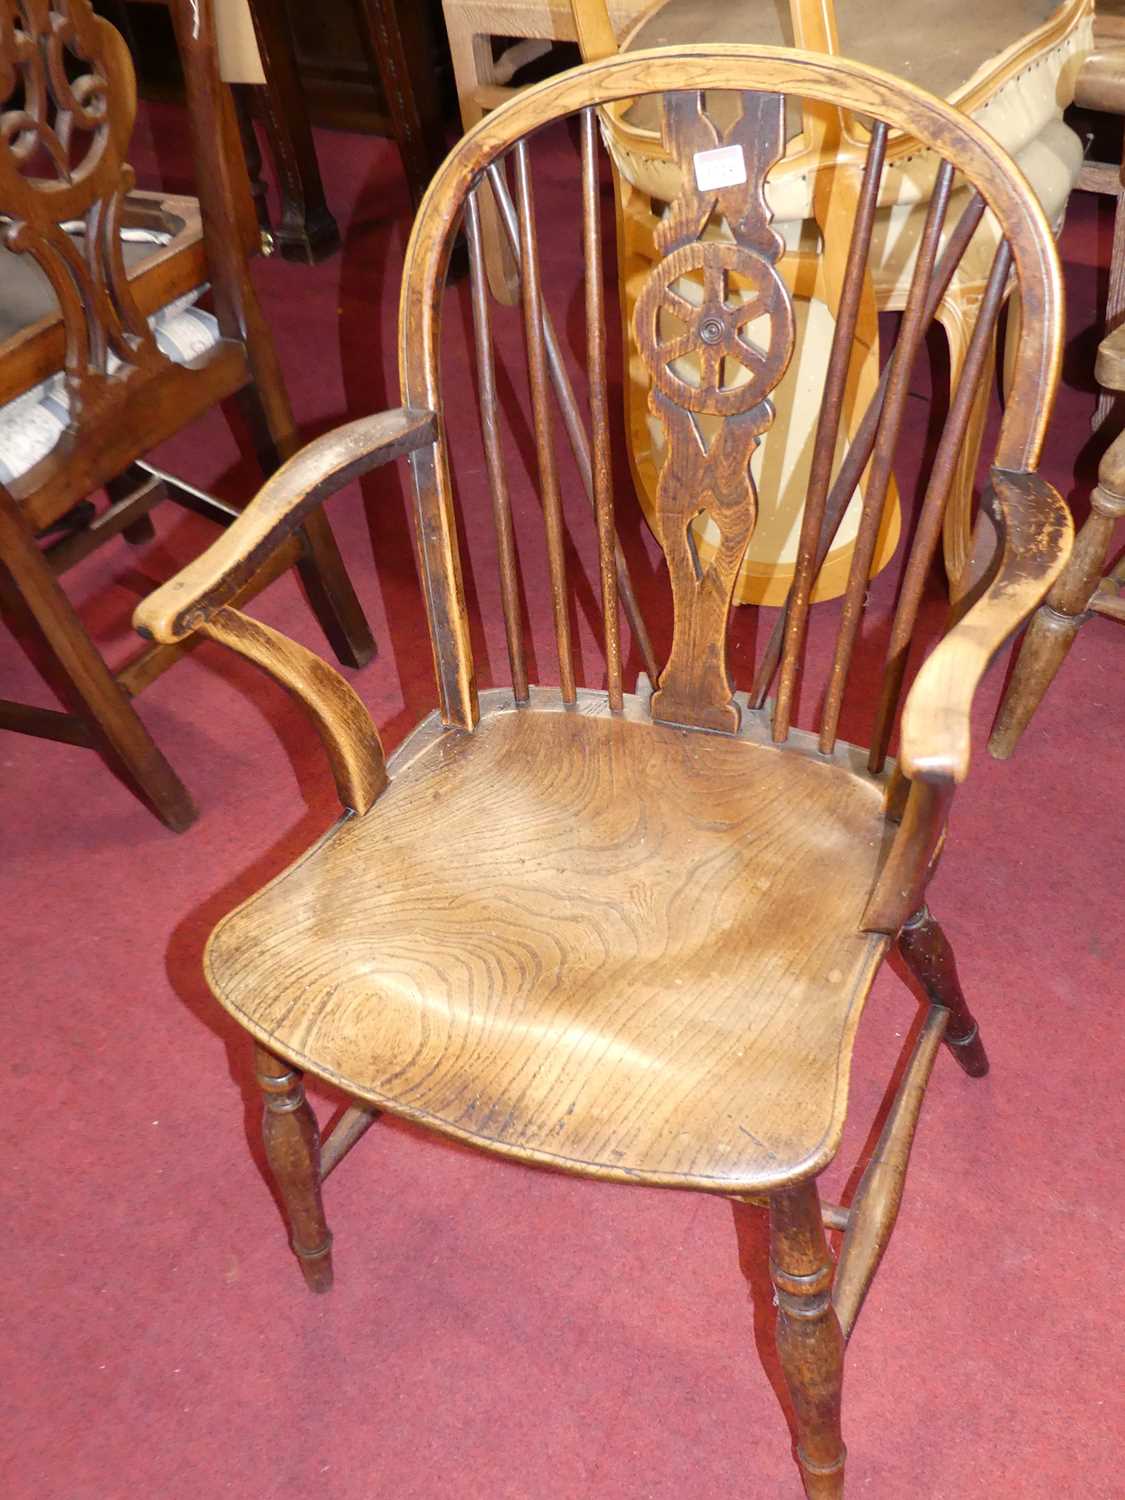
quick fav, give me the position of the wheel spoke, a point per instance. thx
(710, 365)
(714, 283)
(680, 307)
(683, 343)
(748, 355)
(755, 308)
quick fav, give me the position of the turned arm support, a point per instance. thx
(346, 731)
(197, 599)
(1035, 535)
(321, 468)
(1024, 537)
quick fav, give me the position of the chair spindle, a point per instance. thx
(928, 530)
(494, 458)
(541, 411)
(576, 433)
(859, 451)
(824, 447)
(910, 338)
(599, 404)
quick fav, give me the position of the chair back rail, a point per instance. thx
(714, 324)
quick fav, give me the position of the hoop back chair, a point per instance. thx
(105, 353)
(630, 935)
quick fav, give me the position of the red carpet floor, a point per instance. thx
(496, 1332)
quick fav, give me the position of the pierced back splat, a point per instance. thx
(721, 294)
(66, 114)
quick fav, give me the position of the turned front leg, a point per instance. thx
(292, 1142)
(809, 1339)
(929, 957)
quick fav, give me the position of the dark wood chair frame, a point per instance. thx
(1022, 540)
(79, 129)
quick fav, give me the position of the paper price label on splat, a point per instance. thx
(722, 168)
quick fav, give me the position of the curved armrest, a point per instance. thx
(327, 464)
(1109, 367)
(1036, 535)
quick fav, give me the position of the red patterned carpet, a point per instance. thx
(497, 1332)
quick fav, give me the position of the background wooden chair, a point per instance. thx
(1100, 87)
(630, 936)
(1080, 591)
(1011, 64)
(105, 353)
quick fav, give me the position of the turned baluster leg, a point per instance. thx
(1056, 623)
(929, 957)
(292, 1142)
(809, 1339)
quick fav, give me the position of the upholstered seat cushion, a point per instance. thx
(950, 49)
(32, 424)
(26, 295)
(584, 938)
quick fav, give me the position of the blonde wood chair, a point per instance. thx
(1011, 64)
(630, 936)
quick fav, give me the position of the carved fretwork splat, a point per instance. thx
(66, 114)
(718, 297)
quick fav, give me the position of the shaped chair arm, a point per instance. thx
(1035, 537)
(1109, 367)
(186, 601)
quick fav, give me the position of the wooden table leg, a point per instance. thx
(305, 230)
(417, 125)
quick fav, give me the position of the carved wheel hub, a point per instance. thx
(735, 372)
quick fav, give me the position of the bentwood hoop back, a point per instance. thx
(630, 935)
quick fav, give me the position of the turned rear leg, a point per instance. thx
(809, 1340)
(930, 959)
(292, 1142)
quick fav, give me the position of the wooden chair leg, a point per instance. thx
(243, 96)
(332, 596)
(929, 957)
(809, 1339)
(106, 703)
(1056, 622)
(292, 1141)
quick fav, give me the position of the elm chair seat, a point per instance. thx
(380, 953)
